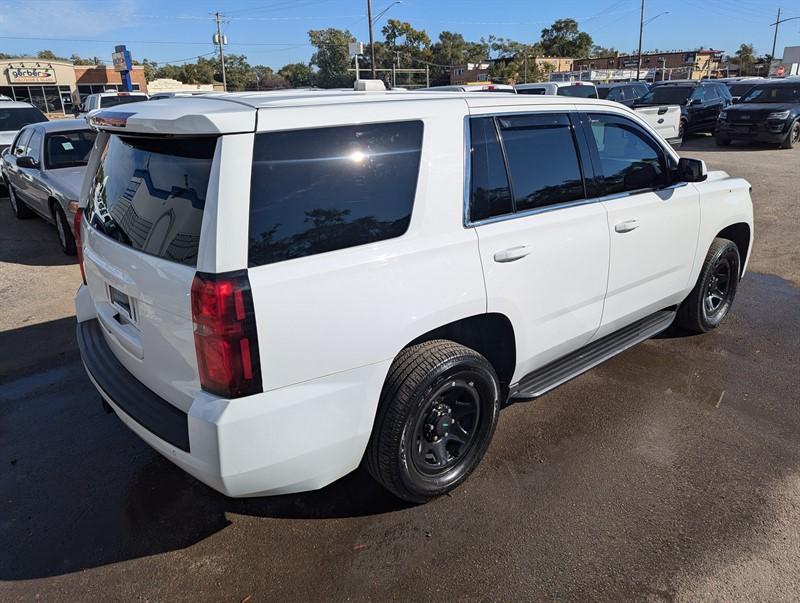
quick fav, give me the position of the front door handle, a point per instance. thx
(512, 254)
(627, 226)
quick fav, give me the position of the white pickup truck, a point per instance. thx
(277, 286)
(666, 120)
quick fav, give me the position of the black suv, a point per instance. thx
(623, 92)
(769, 112)
(700, 102)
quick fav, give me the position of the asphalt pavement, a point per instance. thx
(672, 472)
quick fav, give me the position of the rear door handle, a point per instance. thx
(512, 254)
(627, 226)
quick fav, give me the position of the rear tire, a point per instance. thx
(21, 211)
(712, 297)
(65, 237)
(437, 415)
(792, 137)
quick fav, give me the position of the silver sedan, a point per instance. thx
(43, 170)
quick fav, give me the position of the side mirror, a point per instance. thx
(691, 170)
(27, 162)
(735, 100)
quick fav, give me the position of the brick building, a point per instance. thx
(689, 64)
(98, 78)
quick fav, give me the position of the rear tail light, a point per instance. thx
(76, 227)
(225, 334)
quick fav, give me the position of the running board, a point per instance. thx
(562, 370)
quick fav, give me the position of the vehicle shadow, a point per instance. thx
(707, 144)
(32, 242)
(80, 490)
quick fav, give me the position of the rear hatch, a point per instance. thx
(665, 120)
(144, 213)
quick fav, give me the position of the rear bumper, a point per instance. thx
(301, 437)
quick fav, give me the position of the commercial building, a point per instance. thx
(56, 87)
(479, 72)
(681, 64)
(471, 72)
(49, 85)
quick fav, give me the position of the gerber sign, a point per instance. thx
(31, 75)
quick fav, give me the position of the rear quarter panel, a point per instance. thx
(331, 312)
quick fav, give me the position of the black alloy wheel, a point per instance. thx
(718, 287)
(793, 137)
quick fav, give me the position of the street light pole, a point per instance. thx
(371, 43)
(220, 40)
(639, 56)
(775, 39)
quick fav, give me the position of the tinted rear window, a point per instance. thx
(740, 89)
(323, 189)
(112, 101)
(667, 95)
(149, 194)
(15, 118)
(578, 91)
(538, 91)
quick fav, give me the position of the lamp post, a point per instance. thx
(778, 21)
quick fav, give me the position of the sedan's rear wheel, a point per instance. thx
(437, 415)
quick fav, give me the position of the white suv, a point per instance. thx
(279, 285)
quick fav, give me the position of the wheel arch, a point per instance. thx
(740, 234)
(490, 334)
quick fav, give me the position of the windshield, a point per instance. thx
(773, 94)
(579, 91)
(15, 118)
(68, 149)
(740, 89)
(149, 193)
(111, 101)
(666, 95)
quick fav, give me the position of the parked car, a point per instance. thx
(487, 87)
(15, 116)
(43, 171)
(576, 89)
(625, 93)
(267, 301)
(104, 100)
(700, 102)
(769, 112)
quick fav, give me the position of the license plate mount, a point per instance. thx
(122, 302)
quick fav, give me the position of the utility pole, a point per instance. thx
(641, 30)
(221, 40)
(774, 41)
(371, 43)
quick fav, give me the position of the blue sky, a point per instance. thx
(273, 32)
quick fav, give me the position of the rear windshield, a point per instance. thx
(68, 149)
(112, 101)
(667, 95)
(323, 189)
(149, 194)
(538, 91)
(579, 91)
(16, 118)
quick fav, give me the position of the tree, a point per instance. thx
(564, 39)
(745, 57)
(78, 60)
(264, 78)
(513, 62)
(452, 49)
(331, 58)
(601, 51)
(299, 75)
(48, 55)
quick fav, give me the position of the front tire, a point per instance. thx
(712, 297)
(792, 137)
(21, 211)
(65, 237)
(437, 415)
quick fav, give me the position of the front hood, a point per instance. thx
(67, 181)
(759, 109)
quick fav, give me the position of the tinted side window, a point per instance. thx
(629, 159)
(542, 160)
(712, 93)
(324, 189)
(699, 93)
(35, 146)
(490, 194)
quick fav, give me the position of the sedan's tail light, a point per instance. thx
(76, 227)
(225, 334)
